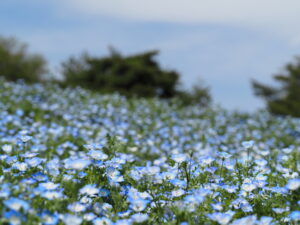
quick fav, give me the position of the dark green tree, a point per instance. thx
(285, 99)
(137, 75)
(199, 95)
(16, 63)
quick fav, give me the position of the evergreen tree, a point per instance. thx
(137, 75)
(283, 100)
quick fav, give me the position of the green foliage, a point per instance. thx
(138, 75)
(284, 100)
(16, 63)
(198, 96)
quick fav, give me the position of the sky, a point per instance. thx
(221, 44)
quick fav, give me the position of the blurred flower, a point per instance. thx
(293, 184)
(16, 204)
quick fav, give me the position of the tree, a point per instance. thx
(137, 75)
(199, 95)
(16, 63)
(283, 100)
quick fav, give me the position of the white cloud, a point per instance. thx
(253, 12)
(276, 17)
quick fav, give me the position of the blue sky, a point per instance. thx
(223, 43)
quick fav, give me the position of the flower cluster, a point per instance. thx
(68, 156)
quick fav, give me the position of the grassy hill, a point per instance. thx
(69, 156)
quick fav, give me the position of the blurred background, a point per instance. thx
(222, 45)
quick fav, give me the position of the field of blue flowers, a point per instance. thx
(69, 156)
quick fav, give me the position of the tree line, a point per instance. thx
(138, 75)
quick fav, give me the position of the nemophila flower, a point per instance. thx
(248, 187)
(82, 174)
(249, 220)
(230, 189)
(246, 207)
(48, 185)
(295, 216)
(152, 170)
(120, 159)
(261, 162)
(287, 150)
(28, 181)
(21, 166)
(261, 177)
(29, 154)
(239, 203)
(76, 164)
(217, 206)
(224, 155)
(102, 208)
(67, 177)
(206, 160)
(25, 138)
(89, 216)
(103, 192)
(102, 221)
(71, 219)
(279, 210)
(265, 220)
(221, 218)
(278, 190)
(211, 169)
(248, 144)
(34, 162)
(123, 222)
(51, 195)
(114, 176)
(86, 200)
(7, 148)
(293, 184)
(11, 159)
(260, 183)
(193, 199)
(178, 183)
(53, 166)
(124, 214)
(14, 217)
(3, 157)
(139, 218)
(179, 158)
(138, 205)
(16, 204)
(136, 174)
(49, 218)
(93, 146)
(89, 190)
(5, 191)
(97, 155)
(177, 193)
(229, 164)
(168, 175)
(77, 207)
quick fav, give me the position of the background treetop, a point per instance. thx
(137, 75)
(284, 99)
(17, 63)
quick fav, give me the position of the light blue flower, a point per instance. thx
(295, 215)
(16, 204)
